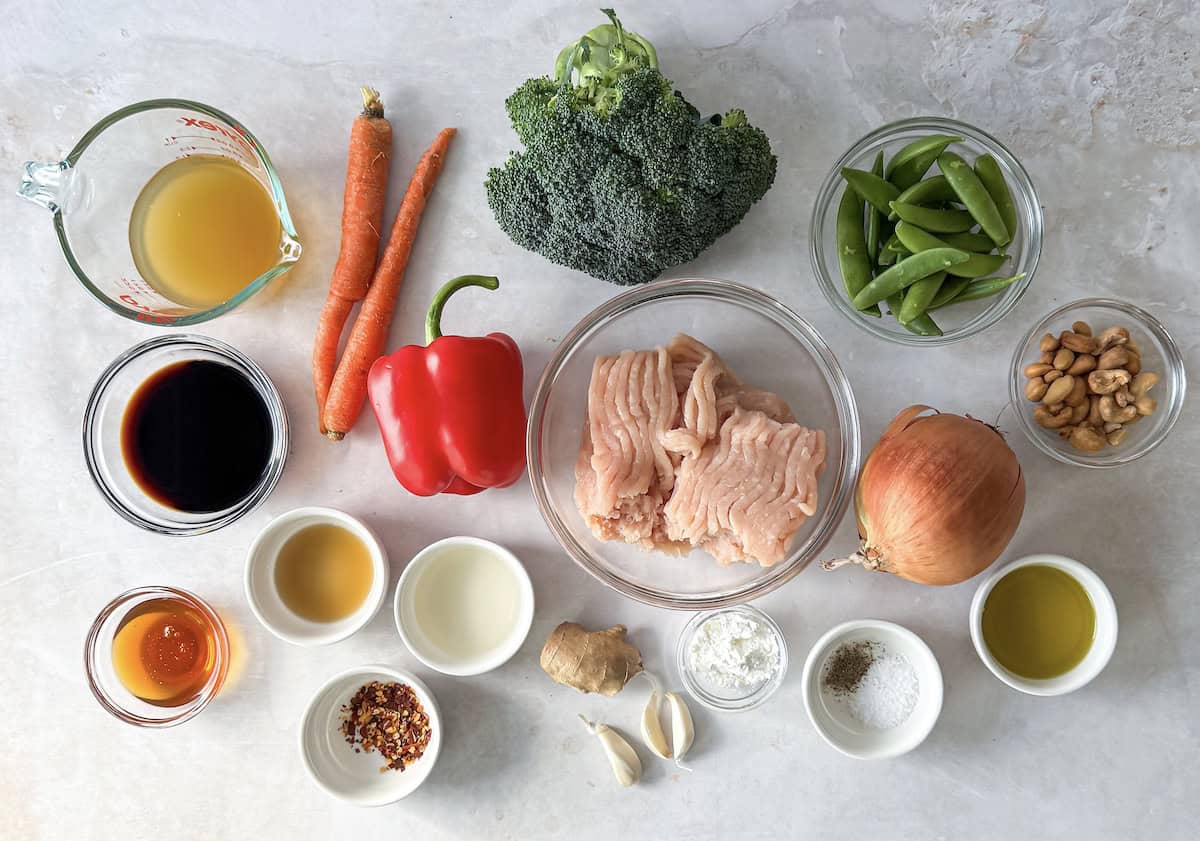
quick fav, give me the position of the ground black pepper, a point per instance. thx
(846, 668)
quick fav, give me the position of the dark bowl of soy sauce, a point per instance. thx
(184, 435)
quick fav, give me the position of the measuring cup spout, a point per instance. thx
(43, 183)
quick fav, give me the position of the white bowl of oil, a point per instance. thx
(315, 576)
(464, 605)
(1044, 624)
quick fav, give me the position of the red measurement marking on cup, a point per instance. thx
(234, 133)
(148, 314)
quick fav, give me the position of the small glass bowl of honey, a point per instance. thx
(156, 656)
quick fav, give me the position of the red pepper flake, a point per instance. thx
(387, 717)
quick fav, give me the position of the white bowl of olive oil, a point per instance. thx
(315, 576)
(1044, 624)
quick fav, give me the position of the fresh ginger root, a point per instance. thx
(590, 661)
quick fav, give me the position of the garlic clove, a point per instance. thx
(626, 766)
(682, 729)
(652, 730)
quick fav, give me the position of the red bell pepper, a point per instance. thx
(451, 413)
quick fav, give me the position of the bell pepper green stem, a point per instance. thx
(433, 319)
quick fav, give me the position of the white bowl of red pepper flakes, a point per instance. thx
(371, 735)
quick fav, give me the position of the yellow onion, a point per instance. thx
(937, 500)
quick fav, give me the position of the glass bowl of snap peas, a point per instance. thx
(926, 232)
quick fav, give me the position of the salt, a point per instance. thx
(887, 693)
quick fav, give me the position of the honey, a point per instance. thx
(202, 229)
(164, 652)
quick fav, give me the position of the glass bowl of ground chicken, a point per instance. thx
(693, 443)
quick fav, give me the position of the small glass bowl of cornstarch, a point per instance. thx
(732, 659)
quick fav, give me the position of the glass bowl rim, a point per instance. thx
(1000, 307)
(187, 711)
(749, 701)
(802, 332)
(262, 384)
(1173, 359)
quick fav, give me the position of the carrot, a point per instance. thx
(362, 222)
(370, 332)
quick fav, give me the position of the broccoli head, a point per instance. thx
(620, 176)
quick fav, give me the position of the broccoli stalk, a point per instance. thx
(620, 176)
(593, 63)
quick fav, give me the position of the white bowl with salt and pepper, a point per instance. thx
(872, 689)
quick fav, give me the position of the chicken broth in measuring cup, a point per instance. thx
(202, 229)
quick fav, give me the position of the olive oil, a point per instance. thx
(1038, 622)
(202, 229)
(324, 573)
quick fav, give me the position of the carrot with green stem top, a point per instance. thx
(362, 229)
(368, 337)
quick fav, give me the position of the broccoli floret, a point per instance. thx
(620, 176)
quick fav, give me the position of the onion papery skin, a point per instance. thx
(938, 499)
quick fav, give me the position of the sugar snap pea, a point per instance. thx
(948, 292)
(969, 241)
(907, 272)
(874, 189)
(913, 160)
(887, 257)
(918, 296)
(932, 219)
(974, 196)
(853, 261)
(993, 180)
(983, 287)
(936, 189)
(874, 217)
(893, 244)
(915, 239)
(923, 325)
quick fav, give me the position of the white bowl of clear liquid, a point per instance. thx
(464, 605)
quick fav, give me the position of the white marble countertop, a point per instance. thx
(1097, 98)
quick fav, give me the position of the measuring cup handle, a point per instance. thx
(42, 184)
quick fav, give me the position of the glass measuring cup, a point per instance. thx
(92, 194)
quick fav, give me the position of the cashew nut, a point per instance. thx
(1036, 369)
(1109, 427)
(1048, 344)
(1106, 382)
(1111, 412)
(1143, 383)
(1145, 405)
(1093, 416)
(1052, 420)
(1058, 390)
(1063, 358)
(1123, 397)
(1078, 395)
(1084, 363)
(1087, 439)
(1065, 432)
(1035, 389)
(1046, 358)
(1116, 357)
(1112, 337)
(1082, 328)
(1079, 413)
(1134, 365)
(1117, 436)
(1052, 375)
(1077, 343)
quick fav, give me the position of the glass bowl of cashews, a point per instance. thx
(1097, 383)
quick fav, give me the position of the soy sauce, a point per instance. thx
(196, 436)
